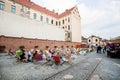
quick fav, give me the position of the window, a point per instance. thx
(35, 16)
(2, 5)
(51, 21)
(63, 21)
(68, 27)
(68, 35)
(96, 40)
(68, 19)
(13, 9)
(41, 18)
(89, 40)
(47, 20)
(59, 23)
(56, 23)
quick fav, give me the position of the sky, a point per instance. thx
(98, 17)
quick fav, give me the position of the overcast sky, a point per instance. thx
(98, 17)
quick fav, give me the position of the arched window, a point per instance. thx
(96, 40)
(89, 40)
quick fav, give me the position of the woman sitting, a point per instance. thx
(56, 58)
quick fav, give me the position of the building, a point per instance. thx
(115, 40)
(94, 40)
(84, 40)
(31, 15)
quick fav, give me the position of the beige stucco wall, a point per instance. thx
(76, 25)
(66, 23)
(76, 29)
(17, 26)
(93, 41)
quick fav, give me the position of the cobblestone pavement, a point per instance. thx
(10, 70)
(93, 67)
(109, 69)
(81, 69)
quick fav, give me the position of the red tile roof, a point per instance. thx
(68, 11)
(42, 9)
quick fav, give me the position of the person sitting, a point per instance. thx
(10, 52)
(68, 56)
(24, 56)
(18, 54)
(36, 56)
(57, 58)
(29, 56)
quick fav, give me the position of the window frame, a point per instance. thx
(59, 23)
(68, 19)
(52, 21)
(47, 20)
(56, 23)
(68, 27)
(13, 9)
(96, 40)
(41, 18)
(2, 5)
(63, 21)
(34, 16)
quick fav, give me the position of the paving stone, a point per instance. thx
(82, 66)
